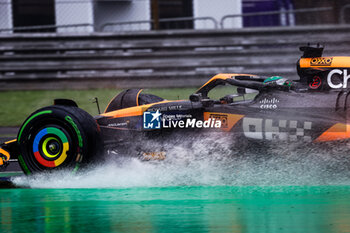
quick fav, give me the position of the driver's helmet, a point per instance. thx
(277, 80)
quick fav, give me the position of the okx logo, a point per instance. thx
(151, 120)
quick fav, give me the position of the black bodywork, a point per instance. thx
(290, 112)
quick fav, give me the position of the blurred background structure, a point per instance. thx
(130, 15)
(58, 44)
(114, 15)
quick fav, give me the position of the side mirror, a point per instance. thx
(207, 103)
(196, 97)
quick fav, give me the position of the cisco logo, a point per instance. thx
(269, 103)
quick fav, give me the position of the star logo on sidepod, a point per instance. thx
(156, 115)
(151, 120)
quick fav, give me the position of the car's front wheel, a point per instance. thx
(58, 137)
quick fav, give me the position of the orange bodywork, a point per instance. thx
(227, 120)
(338, 131)
(5, 156)
(325, 62)
(126, 112)
(133, 111)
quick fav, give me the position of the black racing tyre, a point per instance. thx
(58, 137)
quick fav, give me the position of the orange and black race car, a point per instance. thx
(312, 109)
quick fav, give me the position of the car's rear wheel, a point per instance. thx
(58, 137)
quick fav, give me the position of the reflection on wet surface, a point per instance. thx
(168, 209)
(198, 189)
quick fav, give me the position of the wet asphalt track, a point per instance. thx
(141, 197)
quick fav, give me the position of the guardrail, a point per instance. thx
(175, 58)
(298, 11)
(149, 23)
(129, 24)
(46, 27)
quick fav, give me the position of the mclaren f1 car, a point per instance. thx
(312, 109)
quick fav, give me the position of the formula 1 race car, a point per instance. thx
(312, 109)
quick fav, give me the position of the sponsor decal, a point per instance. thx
(157, 120)
(315, 83)
(269, 103)
(228, 121)
(123, 124)
(151, 120)
(321, 61)
(192, 123)
(220, 117)
(336, 73)
(272, 129)
(165, 108)
(174, 117)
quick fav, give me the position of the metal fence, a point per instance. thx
(284, 14)
(172, 23)
(72, 27)
(166, 58)
(99, 16)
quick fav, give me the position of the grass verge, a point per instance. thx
(16, 106)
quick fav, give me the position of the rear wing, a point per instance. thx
(323, 73)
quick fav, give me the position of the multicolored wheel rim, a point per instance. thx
(50, 147)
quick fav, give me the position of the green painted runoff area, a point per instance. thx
(177, 209)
